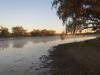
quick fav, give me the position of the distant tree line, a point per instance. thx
(19, 31)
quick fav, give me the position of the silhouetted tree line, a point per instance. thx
(19, 31)
(43, 32)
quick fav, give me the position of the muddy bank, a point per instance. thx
(79, 58)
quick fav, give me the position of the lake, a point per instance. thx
(24, 56)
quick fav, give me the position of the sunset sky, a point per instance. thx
(37, 14)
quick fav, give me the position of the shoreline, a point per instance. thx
(78, 58)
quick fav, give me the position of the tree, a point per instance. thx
(36, 32)
(43, 32)
(4, 32)
(18, 31)
(46, 32)
(79, 11)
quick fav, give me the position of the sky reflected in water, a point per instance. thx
(24, 56)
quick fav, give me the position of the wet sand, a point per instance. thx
(78, 58)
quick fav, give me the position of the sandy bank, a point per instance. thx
(79, 58)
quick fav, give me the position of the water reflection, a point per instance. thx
(4, 44)
(23, 42)
(30, 56)
(19, 43)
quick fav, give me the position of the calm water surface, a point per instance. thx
(24, 56)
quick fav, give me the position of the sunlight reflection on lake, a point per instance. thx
(21, 56)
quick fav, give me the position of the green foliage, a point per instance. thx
(21, 32)
(43, 32)
(79, 10)
(18, 31)
(4, 32)
(36, 33)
